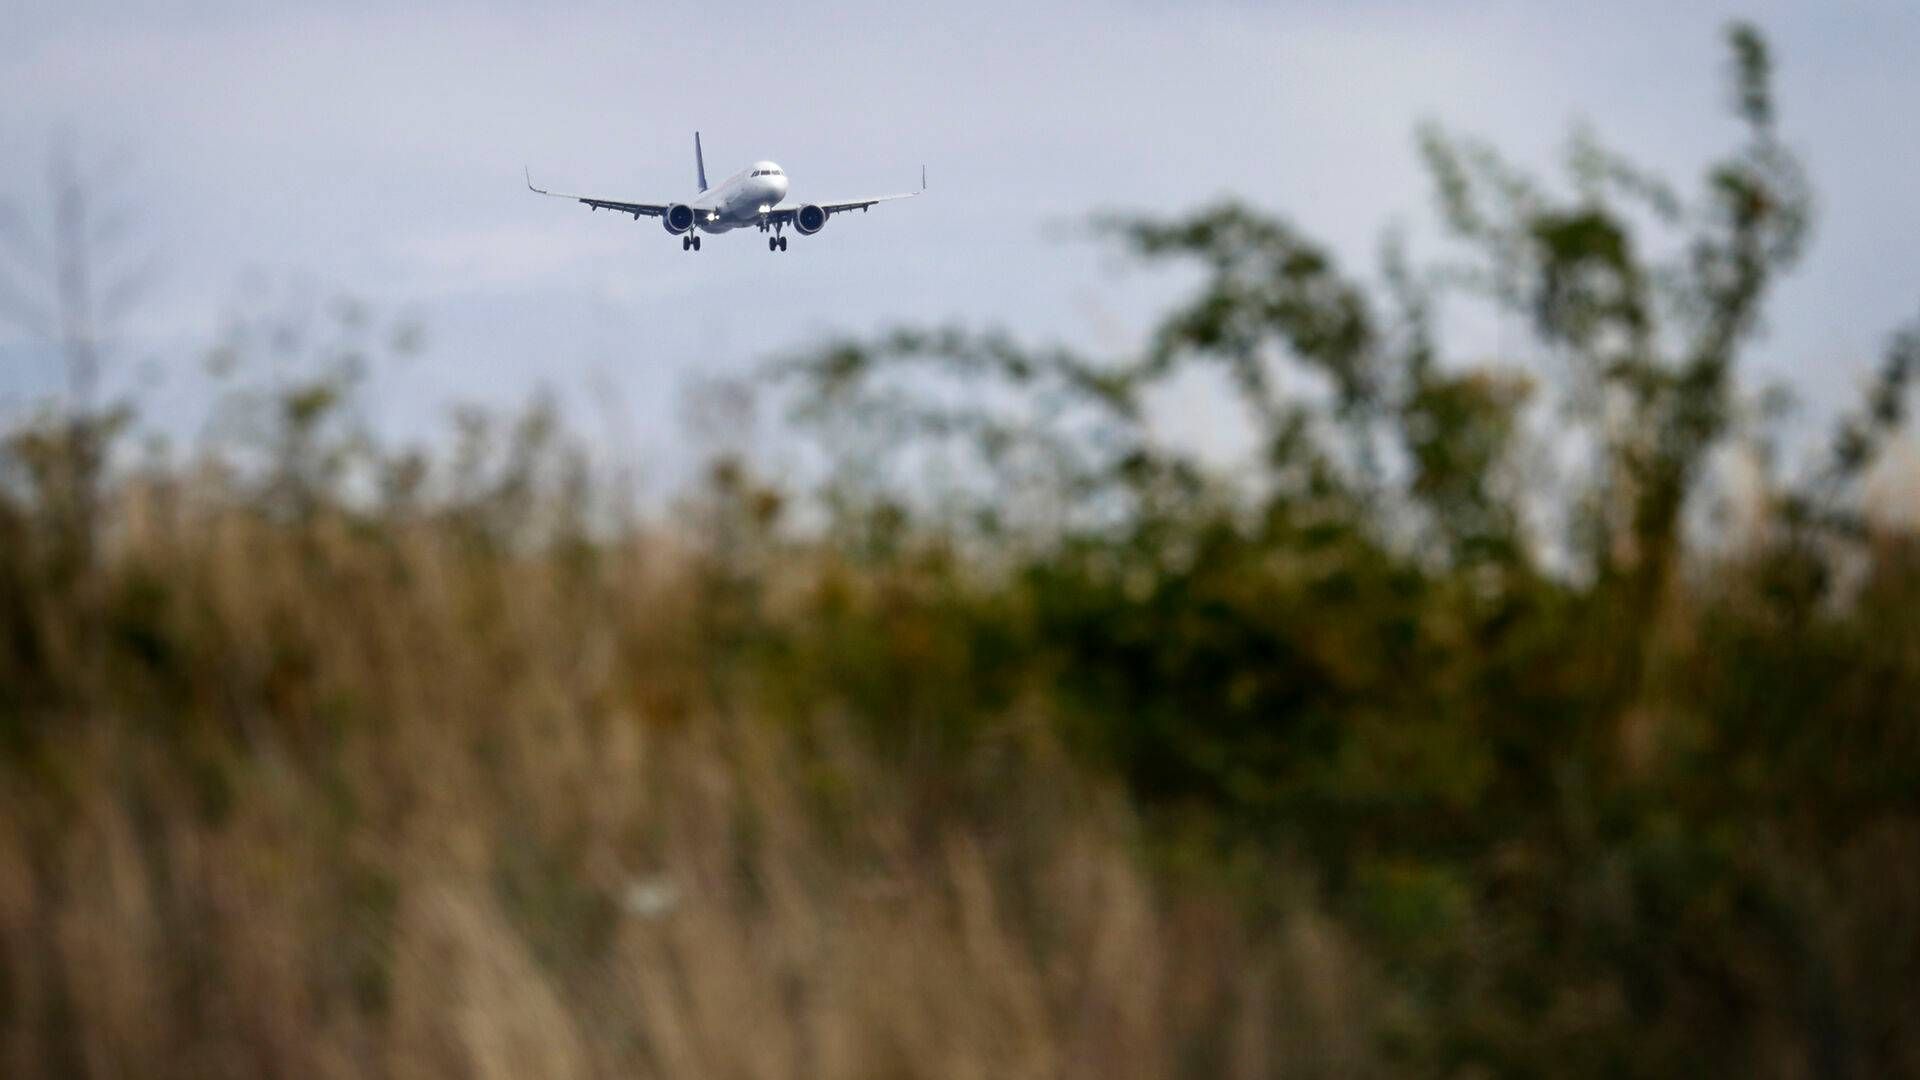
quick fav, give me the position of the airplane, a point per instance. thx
(748, 198)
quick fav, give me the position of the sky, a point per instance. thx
(377, 149)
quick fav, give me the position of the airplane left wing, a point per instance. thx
(785, 214)
(638, 210)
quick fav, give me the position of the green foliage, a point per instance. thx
(1600, 817)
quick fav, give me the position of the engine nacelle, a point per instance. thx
(809, 219)
(677, 219)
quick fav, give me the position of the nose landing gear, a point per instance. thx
(771, 223)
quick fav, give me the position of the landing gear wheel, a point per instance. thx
(772, 244)
(783, 243)
(686, 243)
(696, 243)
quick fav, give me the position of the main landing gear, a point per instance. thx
(776, 243)
(689, 243)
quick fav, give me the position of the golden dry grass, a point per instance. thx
(327, 802)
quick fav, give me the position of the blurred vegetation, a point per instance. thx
(1474, 724)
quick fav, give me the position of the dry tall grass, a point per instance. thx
(325, 801)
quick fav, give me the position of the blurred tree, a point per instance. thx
(72, 289)
(1561, 795)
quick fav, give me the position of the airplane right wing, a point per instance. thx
(638, 210)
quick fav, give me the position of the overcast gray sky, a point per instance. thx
(376, 148)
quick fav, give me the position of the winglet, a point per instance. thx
(540, 190)
(699, 162)
(923, 178)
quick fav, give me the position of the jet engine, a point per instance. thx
(809, 219)
(678, 218)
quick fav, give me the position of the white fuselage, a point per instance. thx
(741, 199)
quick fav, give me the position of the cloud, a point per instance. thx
(508, 256)
(380, 146)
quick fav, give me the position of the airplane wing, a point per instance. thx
(784, 214)
(638, 210)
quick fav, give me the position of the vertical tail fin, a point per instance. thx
(699, 162)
